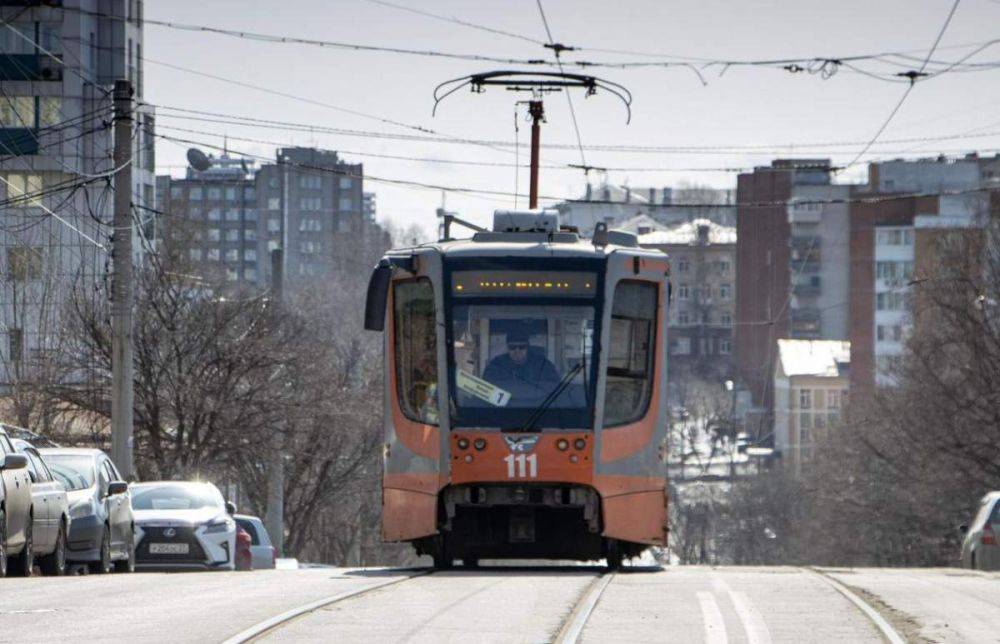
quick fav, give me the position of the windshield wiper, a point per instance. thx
(551, 398)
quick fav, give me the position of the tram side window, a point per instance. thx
(416, 349)
(630, 353)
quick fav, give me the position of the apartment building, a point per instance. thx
(58, 65)
(703, 265)
(792, 258)
(811, 381)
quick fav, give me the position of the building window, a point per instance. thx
(214, 214)
(344, 225)
(682, 347)
(310, 203)
(274, 225)
(250, 274)
(195, 194)
(250, 234)
(230, 194)
(683, 292)
(833, 399)
(724, 267)
(17, 112)
(805, 399)
(683, 266)
(683, 318)
(890, 301)
(195, 254)
(24, 263)
(232, 275)
(213, 234)
(232, 255)
(310, 224)
(249, 215)
(250, 255)
(233, 214)
(25, 188)
(232, 235)
(214, 194)
(49, 111)
(273, 182)
(895, 237)
(176, 192)
(346, 183)
(725, 346)
(213, 254)
(273, 203)
(893, 270)
(346, 203)
(726, 319)
(15, 344)
(724, 291)
(310, 182)
(249, 194)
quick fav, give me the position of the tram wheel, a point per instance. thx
(470, 562)
(442, 555)
(613, 554)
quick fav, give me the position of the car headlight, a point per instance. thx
(225, 525)
(81, 509)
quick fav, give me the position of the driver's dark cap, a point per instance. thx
(517, 336)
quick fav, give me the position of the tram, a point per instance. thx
(525, 393)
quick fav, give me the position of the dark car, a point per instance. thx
(102, 532)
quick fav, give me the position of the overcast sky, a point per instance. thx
(771, 108)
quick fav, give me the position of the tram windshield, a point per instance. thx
(521, 363)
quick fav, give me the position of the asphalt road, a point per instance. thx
(525, 604)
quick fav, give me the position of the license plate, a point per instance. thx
(168, 548)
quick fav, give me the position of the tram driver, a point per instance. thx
(524, 370)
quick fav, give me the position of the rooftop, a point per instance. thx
(654, 233)
(826, 358)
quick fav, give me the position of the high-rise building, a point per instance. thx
(791, 265)
(58, 65)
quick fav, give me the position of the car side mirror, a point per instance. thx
(963, 529)
(14, 462)
(230, 507)
(117, 487)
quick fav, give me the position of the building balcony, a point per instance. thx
(18, 141)
(28, 67)
(806, 289)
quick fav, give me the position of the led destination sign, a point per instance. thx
(524, 283)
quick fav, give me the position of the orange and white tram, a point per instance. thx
(525, 398)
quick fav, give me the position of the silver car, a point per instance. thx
(15, 510)
(102, 532)
(981, 546)
(263, 554)
(50, 512)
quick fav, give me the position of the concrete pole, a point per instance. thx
(537, 113)
(122, 288)
(276, 465)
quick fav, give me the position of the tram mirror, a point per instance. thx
(378, 290)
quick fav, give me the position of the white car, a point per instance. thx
(182, 524)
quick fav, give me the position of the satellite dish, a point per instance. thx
(198, 160)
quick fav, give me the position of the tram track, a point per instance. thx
(576, 621)
(270, 625)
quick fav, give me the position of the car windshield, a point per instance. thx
(175, 497)
(522, 365)
(73, 471)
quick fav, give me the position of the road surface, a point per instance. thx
(520, 604)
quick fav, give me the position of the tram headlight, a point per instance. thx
(468, 458)
(562, 444)
(479, 444)
(463, 443)
(573, 458)
(579, 443)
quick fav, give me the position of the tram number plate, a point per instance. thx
(522, 466)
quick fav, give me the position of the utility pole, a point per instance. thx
(276, 465)
(121, 289)
(537, 112)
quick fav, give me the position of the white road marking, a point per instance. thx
(881, 623)
(753, 621)
(715, 626)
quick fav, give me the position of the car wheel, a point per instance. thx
(128, 564)
(103, 565)
(3, 544)
(54, 564)
(24, 563)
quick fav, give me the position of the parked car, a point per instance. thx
(264, 554)
(101, 531)
(981, 546)
(183, 524)
(244, 559)
(15, 510)
(49, 530)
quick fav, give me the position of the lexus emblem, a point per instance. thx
(521, 443)
(170, 532)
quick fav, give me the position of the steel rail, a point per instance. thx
(881, 623)
(573, 627)
(269, 625)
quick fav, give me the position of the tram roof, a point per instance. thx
(527, 245)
